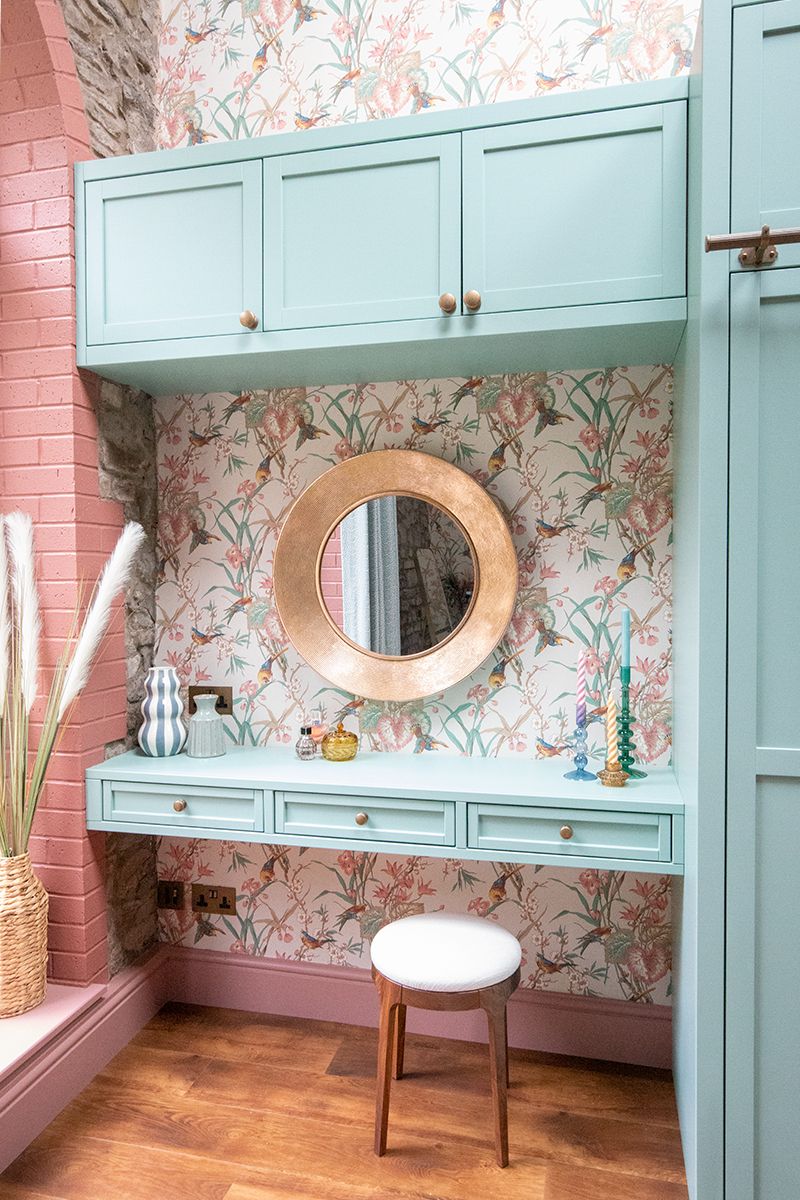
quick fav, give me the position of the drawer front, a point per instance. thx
(207, 807)
(642, 836)
(418, 822)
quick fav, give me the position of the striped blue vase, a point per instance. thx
(162, 732)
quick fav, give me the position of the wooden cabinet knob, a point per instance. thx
(248, 319)
(566, 832)
(361, 818)
(179, 805)
(447, 303)
(472, 300)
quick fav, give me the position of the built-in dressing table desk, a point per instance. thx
(508, 809)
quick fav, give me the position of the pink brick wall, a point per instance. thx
(331, 577)
(48, 453)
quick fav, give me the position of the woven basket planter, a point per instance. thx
(23, 936)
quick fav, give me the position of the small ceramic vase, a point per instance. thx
(340, 746)
(162, 732)
(206, 729)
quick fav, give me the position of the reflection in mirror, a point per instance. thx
(397, 575)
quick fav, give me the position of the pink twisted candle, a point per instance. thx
(580, 691)
(612, 744)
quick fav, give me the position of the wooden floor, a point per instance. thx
(210, 1104)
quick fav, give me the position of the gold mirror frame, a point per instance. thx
(298, 555)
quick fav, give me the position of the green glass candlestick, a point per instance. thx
(624, 724)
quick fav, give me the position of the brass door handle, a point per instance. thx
(472, 299)
(566, 832)
(447, 303)
(361, 818)
(248, 319)
(179, 805)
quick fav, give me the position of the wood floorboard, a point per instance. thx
(207, 1104)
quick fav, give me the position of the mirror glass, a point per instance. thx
(397, 575)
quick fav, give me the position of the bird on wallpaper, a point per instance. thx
(497, 675)
(594, 39)
(302, 122)
(202, 439)
(346, 81)
(550, 531)
(201, 537)
(267, 872)
(627, 567)
(306, 432)
(548, 637)
(497, 892)
(424, 741)
(547, 966)
(549, 416)
(237, 404)
(468, 388)
(260, 59)
(547, 749)
(204, 639)
(350, 914)
(265, 670)
(195, 36)
(263, 469)
(595, 934)
(597, 714)
(419, 425)
(682, 59)
(496, 15)
(594, 493)
(304, 13)
(351, 709)
(546, 83)
(421, 99)
(497, 459)
(238, 606)
(197, 136)
(314, 943)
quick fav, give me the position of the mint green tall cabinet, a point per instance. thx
(737, 733)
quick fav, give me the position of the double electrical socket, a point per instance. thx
(205, 898)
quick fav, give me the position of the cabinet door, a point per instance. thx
(576, 210)
(765, 167)
(175, 254)
(763, 956)
(368, 233)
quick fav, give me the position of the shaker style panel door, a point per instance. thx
(175, 254)
(576, 210)
(765, 165)
(362, 234)
(763, 962)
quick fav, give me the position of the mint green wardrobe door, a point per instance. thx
(174, 254)
(576, 210)
(765, 164)
(362, 234)
(763, 946)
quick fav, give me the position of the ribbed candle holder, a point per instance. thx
(581, 757)
(627, 745)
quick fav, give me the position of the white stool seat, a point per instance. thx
(445, 952)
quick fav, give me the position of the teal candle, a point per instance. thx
(625, 647)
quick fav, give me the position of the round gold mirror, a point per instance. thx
(395, 575)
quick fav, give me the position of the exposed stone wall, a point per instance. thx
(413, 533)
(115, 46)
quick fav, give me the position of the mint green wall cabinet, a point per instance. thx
(363, 234)
(342, 240)
(763, 967)
(172, 254)
(577, 210)
(765, 174)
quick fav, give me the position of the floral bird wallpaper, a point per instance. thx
(578, 461)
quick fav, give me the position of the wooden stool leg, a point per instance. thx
(390, 996)
(399, 1040)
(495, 1007)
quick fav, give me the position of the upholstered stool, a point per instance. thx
(448, 962)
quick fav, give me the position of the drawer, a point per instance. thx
(642, 836)
(207, 807)
(315, 815)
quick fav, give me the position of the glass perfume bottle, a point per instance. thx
(305, 747)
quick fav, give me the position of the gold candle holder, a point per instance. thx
(612, 775)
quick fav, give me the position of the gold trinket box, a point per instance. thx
(340, 745)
